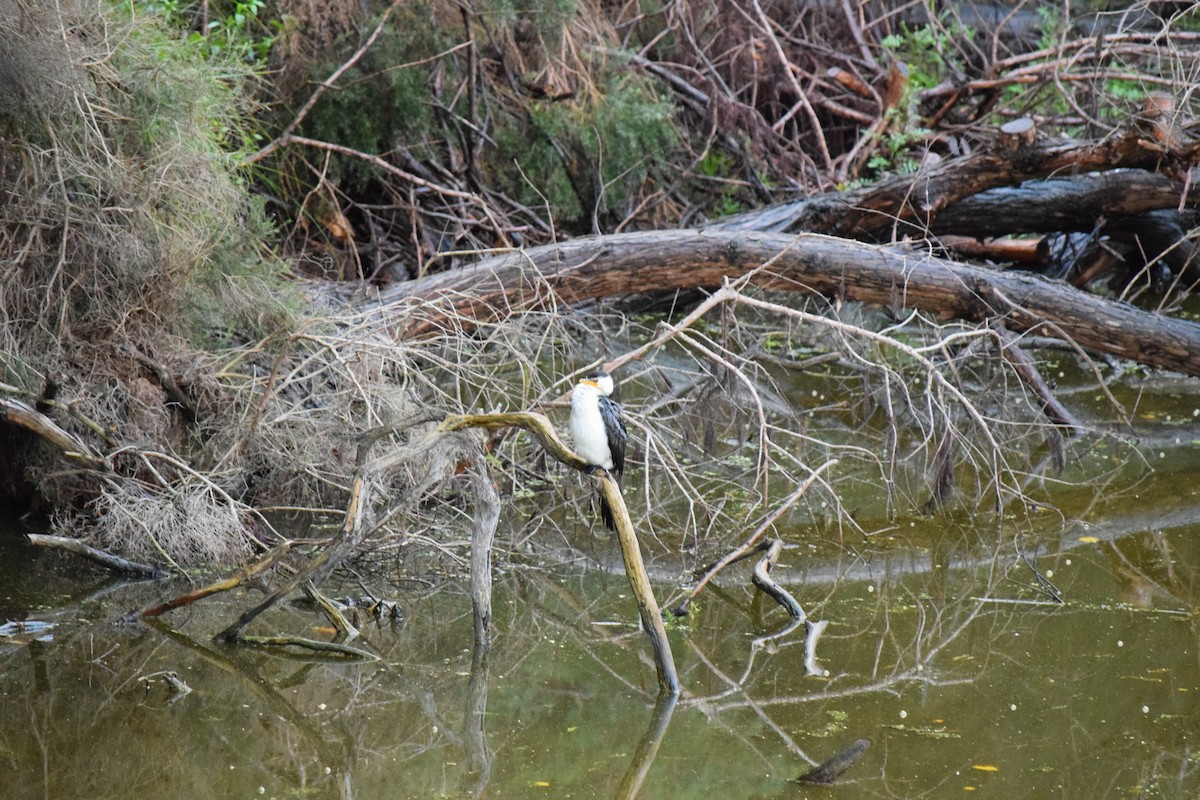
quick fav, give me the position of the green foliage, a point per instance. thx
(597, 149)
(386, 98)
(547, 17)
(1051, 18)
(921, 49)
(893, 153)
(727, 205)
(567, 155)
(188, 111)
(716, 164)
(1128, 90)
(241, 29)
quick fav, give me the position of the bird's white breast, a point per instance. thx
(587, 428)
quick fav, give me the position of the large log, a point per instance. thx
(911, 204)
(607, 266)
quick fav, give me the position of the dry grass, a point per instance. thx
(128, 226)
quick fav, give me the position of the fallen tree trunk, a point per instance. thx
(912, 204)
(838, 269)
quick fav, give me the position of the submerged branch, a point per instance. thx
(315, 645)
(347, 539)
(763, 580)
(751, 544)
(483, 535)
(225, 585)
(831, 770)
(344, 627)
(107, 560)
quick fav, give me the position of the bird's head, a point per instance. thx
(600, 381)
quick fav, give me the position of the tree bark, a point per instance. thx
(1073, 203)
(905, 205)
(838, 269)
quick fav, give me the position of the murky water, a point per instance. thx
(943, 650)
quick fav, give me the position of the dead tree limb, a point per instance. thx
(1072, 203)
(104, 559)
(751, 542)
(354, 529)
(269, 559)
(1028, 372)
(839, 269)
(18, 413)
(304, 643)
(635, 568)
(907, 204)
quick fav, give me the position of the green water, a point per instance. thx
(940, 650)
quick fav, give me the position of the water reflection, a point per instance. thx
(943, 650)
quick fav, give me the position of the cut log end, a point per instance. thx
(1017, 134)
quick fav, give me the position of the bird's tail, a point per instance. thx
(606, 514)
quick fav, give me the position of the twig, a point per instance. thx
(750, 543)
(1027, 371)
(308, 644)
(801, 95)
(399, 173)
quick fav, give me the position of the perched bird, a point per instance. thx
(599, 431)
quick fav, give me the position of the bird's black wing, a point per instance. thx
(614, 425)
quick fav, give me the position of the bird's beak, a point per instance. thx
(589, 382)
